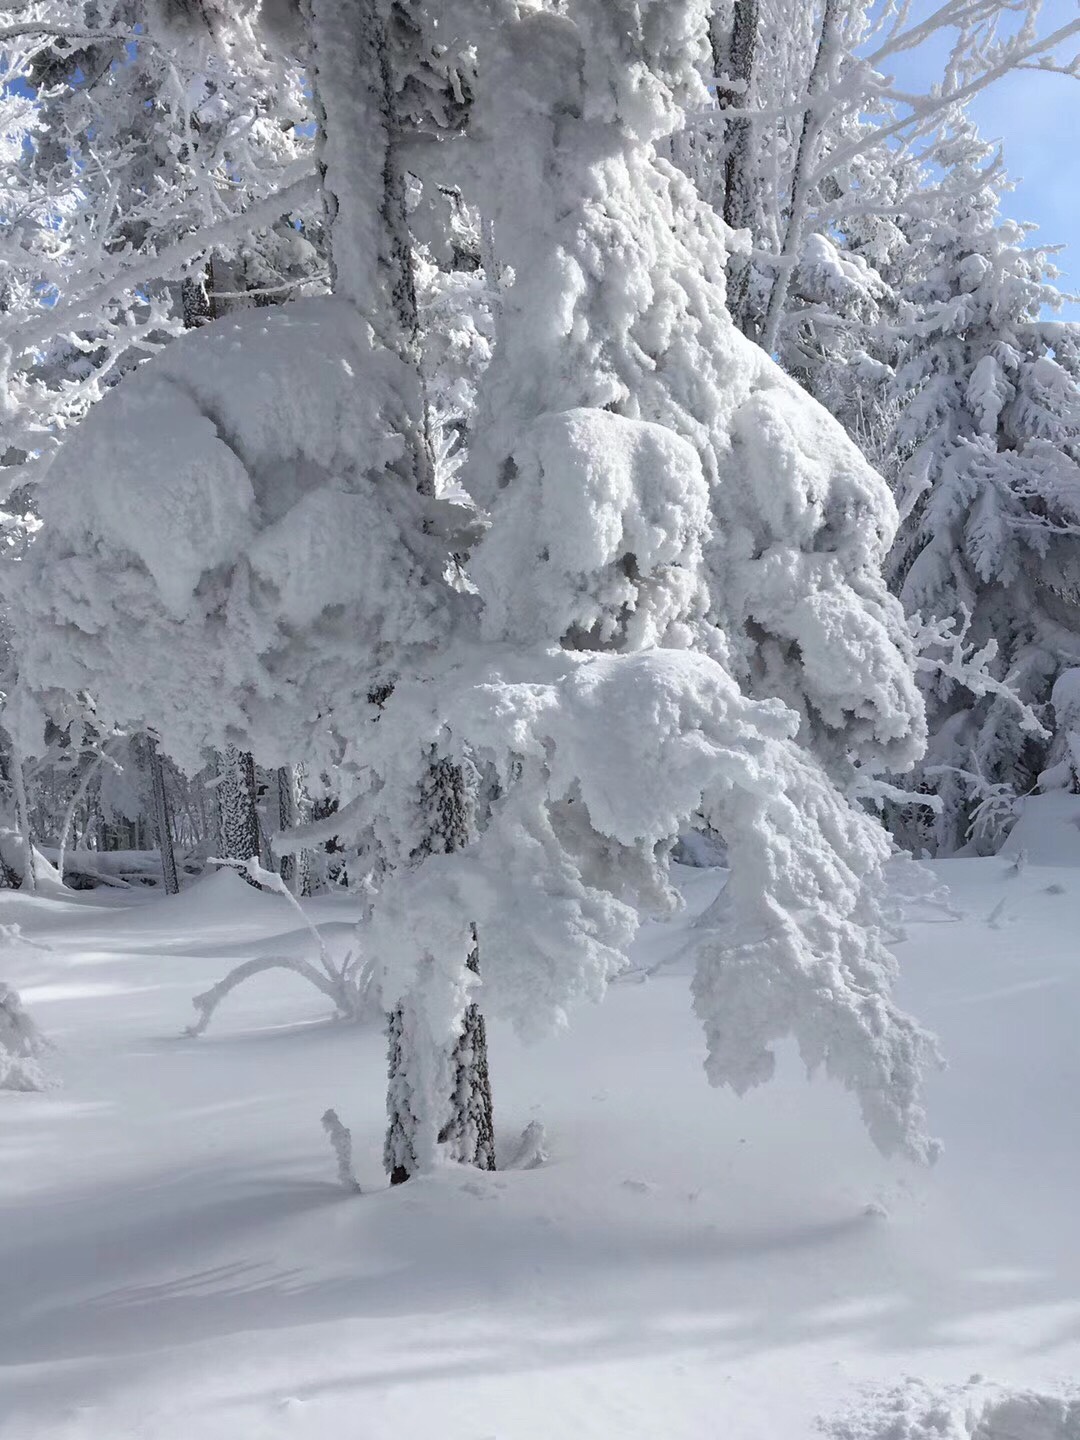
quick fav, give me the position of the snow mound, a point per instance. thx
(221, 895)
(912, 1412)
(1048, 830)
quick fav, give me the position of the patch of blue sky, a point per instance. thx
(1035, 117)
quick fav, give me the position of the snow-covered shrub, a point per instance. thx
(21, 1045)
(1063, 770)
(346, 983)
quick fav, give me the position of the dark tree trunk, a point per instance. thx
(330, 868)
(195, 299)
(293, 868)
(738, 190)
(466, 1122)
(736, 55)
(467, 1130)
(159, 803)
(238, 817)
(469, 1134)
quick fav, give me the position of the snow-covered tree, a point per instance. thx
(807, 129)
(851, 189)
(660, 595)
(989, 438)
(615, 325)
(144, 134)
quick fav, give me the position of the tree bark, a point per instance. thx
(195, 299)
(162, 818)
(238, 818)
(465, 1127)
(738, 57)
(469, 1133)
(813, 124)
(22, 811)
(293, 869)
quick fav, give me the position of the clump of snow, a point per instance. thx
(913, 1411)
(158, 481)
(1047, 831)
(818, 524)
(219, 561)
(600, 532)
(530, 1152)
(21, 1043)
(46, 879)
(828, 275)
(1064, 768)
(340, 1138)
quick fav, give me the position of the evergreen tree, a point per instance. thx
(659, 592)
(989, 432)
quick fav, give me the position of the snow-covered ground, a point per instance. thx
(177, 1262)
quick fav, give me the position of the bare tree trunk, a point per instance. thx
(328, 860)
(738, 57)
(293, 868)
(469, 1133)
(464, 1125)
(196, 302)
(238, 818)
(22, 811)
(813, 124)
(162, 818)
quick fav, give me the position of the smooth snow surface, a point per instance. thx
(177, 1260)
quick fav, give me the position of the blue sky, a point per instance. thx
(1036, 117)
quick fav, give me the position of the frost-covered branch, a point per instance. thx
(341, 986)
(78, 795)
(942, 648)
(167, 264)
(348, 985)
(271, 880)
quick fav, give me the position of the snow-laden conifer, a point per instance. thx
(989, 435)
(666, 513)
(661, 594)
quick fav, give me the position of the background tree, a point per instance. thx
(989, 428)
